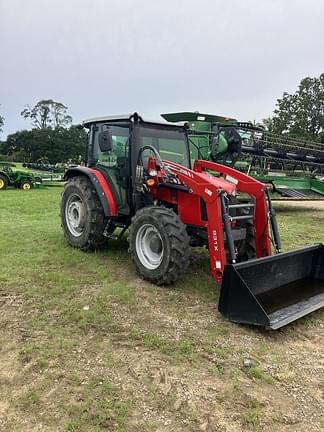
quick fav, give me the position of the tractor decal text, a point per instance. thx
(185, 172)
(231, 179)
(180, 170)
(208, 192)
(215, 240)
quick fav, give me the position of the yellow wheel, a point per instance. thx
(3, 183)
(26, 185)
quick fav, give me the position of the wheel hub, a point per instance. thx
(149, 246)
(156, 244)
(74, 212)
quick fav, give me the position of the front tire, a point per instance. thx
(26, 185)
(82, 216)
(159, 245)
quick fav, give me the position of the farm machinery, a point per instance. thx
(16, 178)
(294, 168)
(141, 176)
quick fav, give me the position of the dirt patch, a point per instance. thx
(87, 346)
(188, 377)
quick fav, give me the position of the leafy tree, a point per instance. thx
(53, 145)
(301, 114)
(267, 123)
(47, 114)
(1, 122)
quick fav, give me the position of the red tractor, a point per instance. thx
(140, 176)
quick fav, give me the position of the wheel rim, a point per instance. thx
(26, 186)
(149, 246)
(74, 215)
(1, 184)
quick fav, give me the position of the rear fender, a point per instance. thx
(101, 186)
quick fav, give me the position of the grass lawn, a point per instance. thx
(88, 346)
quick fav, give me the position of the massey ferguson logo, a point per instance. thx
(185, 172)
(180, 170)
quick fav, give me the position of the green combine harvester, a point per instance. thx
(294, 168)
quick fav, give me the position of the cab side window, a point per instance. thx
(114, 164)
(119, 153)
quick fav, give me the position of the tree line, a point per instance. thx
(301, 114)
(54, 139)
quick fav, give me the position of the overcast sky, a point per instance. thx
(102, 57)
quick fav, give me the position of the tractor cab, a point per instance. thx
(119, 147)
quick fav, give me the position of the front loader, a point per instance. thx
(140, 176)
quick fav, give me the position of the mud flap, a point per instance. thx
(273, 291)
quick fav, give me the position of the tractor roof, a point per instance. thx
(197, 116)
(104, 119)
(125, 118)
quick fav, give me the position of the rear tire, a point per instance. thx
(159, 245)
(3, 182)
(82, 216)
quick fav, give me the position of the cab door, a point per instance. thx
(114, 163)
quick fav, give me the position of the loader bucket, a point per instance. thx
(276, 290)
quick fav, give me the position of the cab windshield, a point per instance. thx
(172, 145)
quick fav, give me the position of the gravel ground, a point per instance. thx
(315, 204)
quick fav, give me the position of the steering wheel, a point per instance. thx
(140, 163)
(153, 150)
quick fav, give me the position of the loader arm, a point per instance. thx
(254, 188)
(211, 189)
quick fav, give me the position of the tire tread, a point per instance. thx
(170, 223)
(95, 239)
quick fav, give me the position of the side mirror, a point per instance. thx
(105, 140)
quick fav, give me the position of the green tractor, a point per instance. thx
(16, 178)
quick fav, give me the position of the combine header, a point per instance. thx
(294, 168)
(141, 175)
